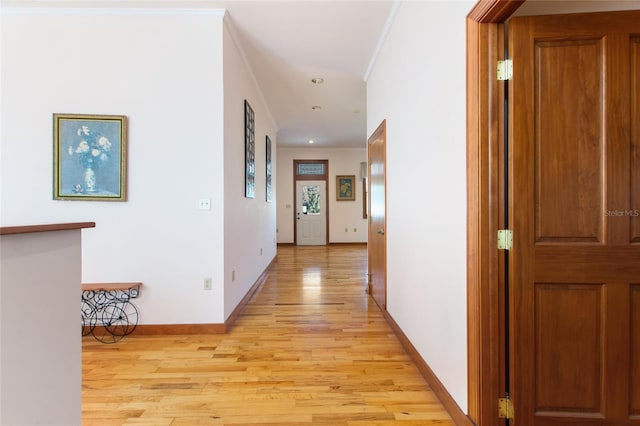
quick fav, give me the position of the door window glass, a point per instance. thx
(311, 199)
(311, 169)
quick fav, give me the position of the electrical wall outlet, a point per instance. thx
(204, 204)
(233, 275)
(208, 283)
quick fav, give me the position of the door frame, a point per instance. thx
(297, 177)
(485, 209)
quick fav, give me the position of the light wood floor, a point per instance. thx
(311, 348)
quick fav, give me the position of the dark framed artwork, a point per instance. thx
(365, 207)
(89, 157)
(345, 188)
(268, 173)
(249, 151)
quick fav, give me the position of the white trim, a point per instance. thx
(382, 39)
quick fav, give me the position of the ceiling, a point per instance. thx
(289, 43)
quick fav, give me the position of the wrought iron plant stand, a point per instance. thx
(107, 311)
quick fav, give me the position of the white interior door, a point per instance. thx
(311, 213)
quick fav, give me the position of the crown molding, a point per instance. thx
(383, 37)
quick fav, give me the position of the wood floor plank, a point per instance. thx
(311, 348)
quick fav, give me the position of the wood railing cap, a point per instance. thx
(26, 229)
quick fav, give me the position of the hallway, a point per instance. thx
(310, 348)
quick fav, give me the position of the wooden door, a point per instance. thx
(574, 104)
(377, 243)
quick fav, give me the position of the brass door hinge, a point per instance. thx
(505, 409)
(505, 239)
(505, 70)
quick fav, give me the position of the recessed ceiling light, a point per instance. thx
(316, 107)
(310, 141)
(317, 80)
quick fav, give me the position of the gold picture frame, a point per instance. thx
(89, 157)
(345, 188)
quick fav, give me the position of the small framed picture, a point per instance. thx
(268, 168)
(89, 157)
(249, 151)
(345, 188)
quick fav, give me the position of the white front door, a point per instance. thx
(311, 213)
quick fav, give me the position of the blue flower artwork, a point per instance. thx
(90, 157)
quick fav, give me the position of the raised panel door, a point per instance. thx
(574, 174)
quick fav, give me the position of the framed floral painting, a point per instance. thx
(345, 188)
(89, 157)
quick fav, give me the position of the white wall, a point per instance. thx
(344, 216)
(249, 223)
(423, 101)
(162, 69)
